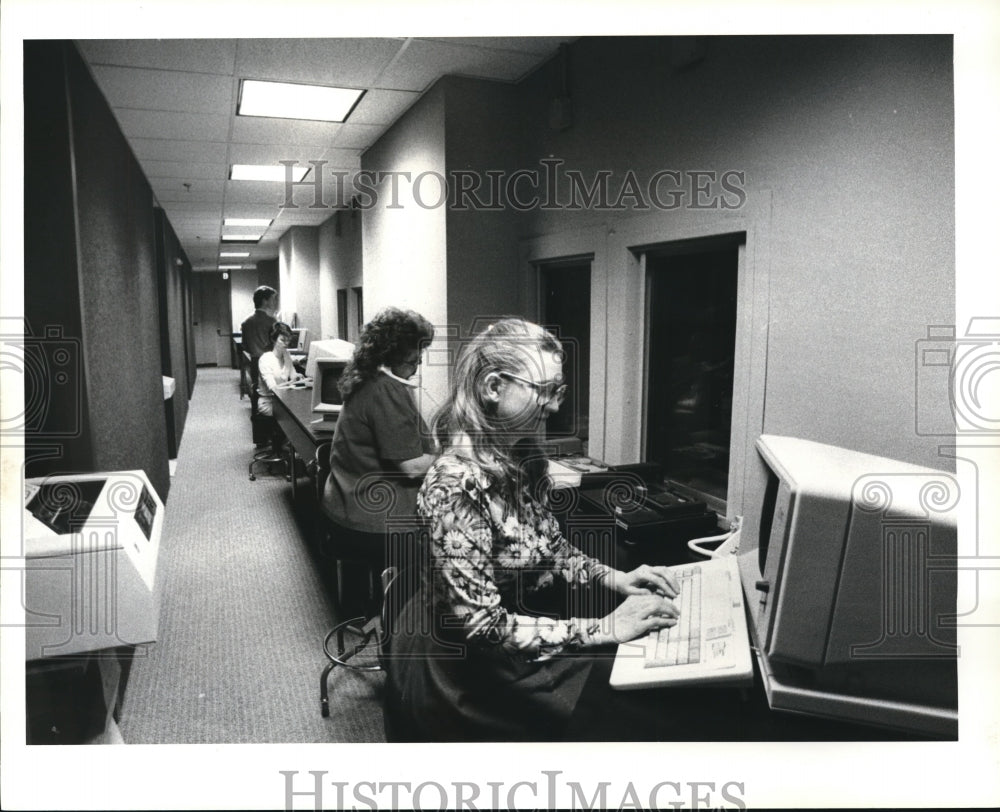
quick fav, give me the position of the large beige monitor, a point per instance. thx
(848, 562)
(333, 348)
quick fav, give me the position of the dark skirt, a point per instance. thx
(440, 688)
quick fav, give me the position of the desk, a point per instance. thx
(696, 713)
(293, 411)
(236, 348)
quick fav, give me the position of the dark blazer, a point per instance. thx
(256, 331)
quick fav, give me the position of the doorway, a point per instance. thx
(213, 321)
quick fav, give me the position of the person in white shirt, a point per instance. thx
(275, 368)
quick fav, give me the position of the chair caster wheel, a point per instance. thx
(253, 478)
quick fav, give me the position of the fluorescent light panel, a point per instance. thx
(241, 237)
(248, 221)
(275, 172)
(287, 100)
(234, 254)
(230, 267)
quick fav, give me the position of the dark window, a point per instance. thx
(360, 305)
(342, 314)
(565, 306)
(691, 340)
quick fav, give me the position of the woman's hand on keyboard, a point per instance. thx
(636, 616)
(643, 580)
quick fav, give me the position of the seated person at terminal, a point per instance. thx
(275, 367)
(466, 660)
(380, 439)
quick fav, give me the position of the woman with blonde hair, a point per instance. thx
(467, 660)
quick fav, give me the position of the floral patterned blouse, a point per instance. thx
(483, 546)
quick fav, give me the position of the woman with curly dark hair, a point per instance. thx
(380, 442)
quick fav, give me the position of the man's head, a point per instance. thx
(266, 298)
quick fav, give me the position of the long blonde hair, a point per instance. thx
(504, 346)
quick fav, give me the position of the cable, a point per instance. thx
(695, 544)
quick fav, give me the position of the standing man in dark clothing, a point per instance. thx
(257, 327)
(256, 330)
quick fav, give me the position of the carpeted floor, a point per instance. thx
(244, 603)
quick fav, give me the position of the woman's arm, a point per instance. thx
(418, 466)
(399, 432)
(462, 553)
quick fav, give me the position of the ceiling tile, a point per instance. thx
(424, 61)
(358, 136)
(283, 131)
(382, 106)
(196, 209)
(145, 89)
(340, 62)
(161, 149)
(247, 210)
(197, 55)
(172, 190)
(539, 46)
(252, 191)
(268, 154)
(342, 158)
(158, 124)
(182, 170)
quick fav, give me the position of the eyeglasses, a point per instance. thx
(548, 391)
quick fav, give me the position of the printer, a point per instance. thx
(91, 543)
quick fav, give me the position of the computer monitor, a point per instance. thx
(333, 348)
(299, 340)
(848, 563)
(326, 398)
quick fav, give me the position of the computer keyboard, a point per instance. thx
(705, 621)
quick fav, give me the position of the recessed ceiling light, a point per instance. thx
(247, 221)
(275, 172)
(287, 100)
(235, 254)
(241, 237)
(230, 267)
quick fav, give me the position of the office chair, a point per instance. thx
(361, 643)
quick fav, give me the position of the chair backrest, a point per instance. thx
(321, 467)
(402, 578)
(397, 589)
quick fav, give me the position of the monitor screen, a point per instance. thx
(299, 339)
(326, 394)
